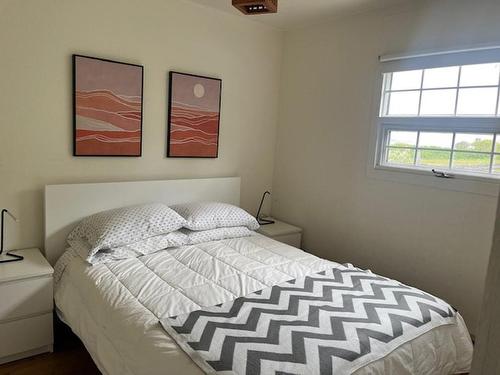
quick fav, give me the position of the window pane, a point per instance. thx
(406, 80)
(435, 140)
(480, 75)
(402, 139)
(498, 105)
(471, 161)
(474, 142)
(438, 102)
(497, 143)
(496, 164)
(433, 158)
(477, 101)
(441, 77)
(404, 103)
(400, 156)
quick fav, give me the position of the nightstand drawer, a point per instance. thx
(25, 334)
(25, 297)
(282, 232)
(293, 239)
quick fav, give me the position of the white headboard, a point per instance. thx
(66, 205)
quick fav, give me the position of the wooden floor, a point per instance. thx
(69, 358)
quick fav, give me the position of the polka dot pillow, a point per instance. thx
(134, 250)
(200, 236)
(212, 215)
(124, 226)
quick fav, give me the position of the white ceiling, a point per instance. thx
(296, 13)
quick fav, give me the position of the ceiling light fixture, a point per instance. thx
(251, 7)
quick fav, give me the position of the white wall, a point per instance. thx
(486, 360)
(435, 239)
(37, 39)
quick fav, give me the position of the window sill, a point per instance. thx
(489, 186)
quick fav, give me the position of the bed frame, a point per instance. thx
(66, 205)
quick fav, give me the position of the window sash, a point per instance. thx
(444, 125)
(387, 91)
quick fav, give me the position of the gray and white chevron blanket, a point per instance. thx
(333, 322)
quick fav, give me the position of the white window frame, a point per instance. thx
(469, 182)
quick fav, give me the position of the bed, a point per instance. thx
(125, 311)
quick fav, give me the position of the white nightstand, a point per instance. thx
(282, 232)
(26, 302)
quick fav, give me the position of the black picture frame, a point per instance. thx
(169, 115)
(74, 72)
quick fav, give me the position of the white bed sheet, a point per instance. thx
(115, 307)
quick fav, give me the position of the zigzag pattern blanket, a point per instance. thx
(333, 322)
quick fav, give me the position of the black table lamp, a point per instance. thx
(7, 257)
(260, 220)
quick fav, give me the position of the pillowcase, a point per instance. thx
(134, 250)
(124, 226)
(195, 237)
(212, 215)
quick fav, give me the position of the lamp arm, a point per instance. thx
(261, 203)
(259, 220)
(2, 230)
(2, 226)
(9, 257)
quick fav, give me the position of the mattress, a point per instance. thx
(116, 307)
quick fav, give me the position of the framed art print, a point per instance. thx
(193, 116)
(107, 107)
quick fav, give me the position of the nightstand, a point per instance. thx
(26, 306)
(282, 232)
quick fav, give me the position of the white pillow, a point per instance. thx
(124, 226)
(195, 237)
(212, 215)
(134, 250)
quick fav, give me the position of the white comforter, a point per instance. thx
(115, 307)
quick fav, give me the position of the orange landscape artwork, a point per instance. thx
(194, 116)
(107, 107)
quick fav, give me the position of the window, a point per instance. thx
(467, 152)
(469, 90)
(445, 118)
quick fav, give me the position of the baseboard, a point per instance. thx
(28, 353)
